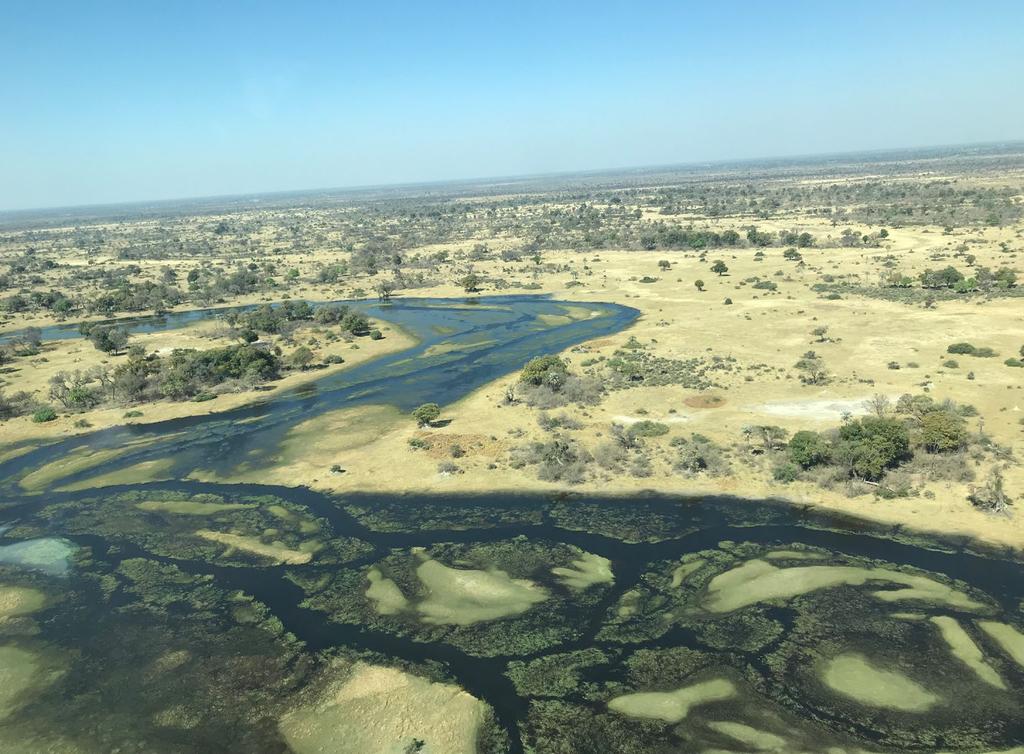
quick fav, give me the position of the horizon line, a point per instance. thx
(355, 188)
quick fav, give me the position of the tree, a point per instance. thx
(108, 339)
(545, 370)
(470, 283)
(992, 495)
(302, 357)
(719, 268)
(770, 435)
(871, 445)
(664, 265)
(812, 368)
(426, 414)
(384, 290)
(942, 432)
(248, 336)
(820, 334)
(878, 404)
(809, 449)
(699, 284)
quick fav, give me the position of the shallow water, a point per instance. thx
(160, 637)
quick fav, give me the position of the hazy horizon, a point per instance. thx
(725, 162)
(125, 104)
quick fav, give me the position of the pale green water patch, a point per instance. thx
(1007, 637)
(385, 593)
(465, 596)
(759, 581)
(586, 572)
(672, 706)
(681, 572)
(49, 555)
(964, 649)
(853, 676)
(749, 736)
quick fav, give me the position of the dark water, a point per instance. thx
(499, 334)
(502, 333)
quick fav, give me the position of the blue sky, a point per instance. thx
(122, 101)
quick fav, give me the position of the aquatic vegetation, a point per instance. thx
(759, 581)
(47, 554)
(855, 676)
(463, 596)
(1009, 638)
(385, 593)
(275, 551)
(673, 706)
(585, 572)
(214, 528)
(963, 648)
(554, 675)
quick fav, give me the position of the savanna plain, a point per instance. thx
(717, 459)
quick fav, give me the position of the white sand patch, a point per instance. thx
(822, 409)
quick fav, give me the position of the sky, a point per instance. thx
(105, 101)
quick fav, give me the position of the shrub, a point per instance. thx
(44, 414)
(786, 472)
(1014, 363)
(648, 428)
(961, 348)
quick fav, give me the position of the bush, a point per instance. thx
(44, 414)
(1014, 363)
(786, 472)
(961, 348)
(648, 428)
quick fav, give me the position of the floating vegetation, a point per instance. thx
(964, 649)
(1007, 637)
(585, 572)
(462, 597)
(246, 531)
(566, 625)
(758, 581)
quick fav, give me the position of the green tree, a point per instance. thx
(942, 432)
(470, 283)
(871, 445)
(719, 268)
(809, 449)
(699, 284)
(426, 414)
(545, 370)
(301, 357)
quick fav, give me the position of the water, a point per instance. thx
(772, 652)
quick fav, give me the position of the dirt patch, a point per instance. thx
(705, 401)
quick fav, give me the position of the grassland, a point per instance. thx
(719, 359)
